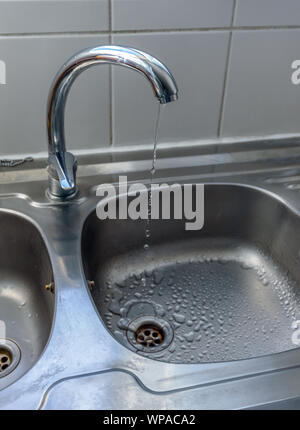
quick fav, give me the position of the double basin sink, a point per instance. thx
(79, 295)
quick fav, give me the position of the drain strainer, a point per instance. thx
(9, 356)
(5, 359)
(149, 334)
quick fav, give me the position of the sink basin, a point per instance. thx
(227, 292)
(26, 307)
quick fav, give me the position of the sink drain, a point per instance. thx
(9, 356)
(5, 359)
(149, 334)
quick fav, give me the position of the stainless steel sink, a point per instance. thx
(213, 308)
(227, 292)
(26, 307)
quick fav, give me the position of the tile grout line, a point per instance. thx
(110, 78)
(169, 30)
(231, 27)
(222, 104)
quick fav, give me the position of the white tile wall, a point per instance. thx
(32, 63)
(260, 97)
(197, 39)
(47, 16)
(170, 14)
(197, 61)
(267, 13)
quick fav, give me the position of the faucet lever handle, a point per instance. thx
(65, 165)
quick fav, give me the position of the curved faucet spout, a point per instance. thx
(62, 165)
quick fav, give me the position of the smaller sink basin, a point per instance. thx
(227, 292)
(26, 307)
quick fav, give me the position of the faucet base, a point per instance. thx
(55, 191)
(63, 198)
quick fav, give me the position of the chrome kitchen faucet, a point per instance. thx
(62, 165)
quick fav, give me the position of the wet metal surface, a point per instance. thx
(248, 254)
(26, 309)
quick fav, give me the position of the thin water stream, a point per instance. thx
(152, 173)
(156, 130)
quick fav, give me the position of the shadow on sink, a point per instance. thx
(26, 307)
(229, 291)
